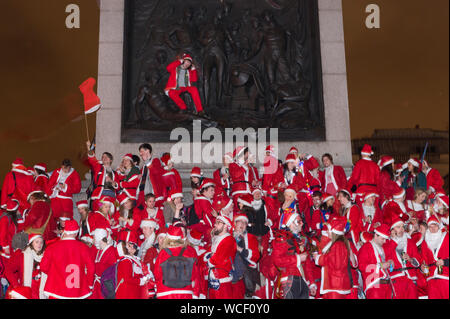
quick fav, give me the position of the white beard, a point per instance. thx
(433, 240)
(314, 173)
(256, 204)
(146, 245)
(369, 211)
(402, 242)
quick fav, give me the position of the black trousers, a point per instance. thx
(299, 289)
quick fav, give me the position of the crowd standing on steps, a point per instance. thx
(289, 230)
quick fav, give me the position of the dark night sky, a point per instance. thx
(397, 75)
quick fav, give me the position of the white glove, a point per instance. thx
(145, 279)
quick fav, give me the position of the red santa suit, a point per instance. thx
(335, 278)
(404, 273)
(189, 292)
(365, 176)
(374, 277)
(354, 217)
(435, 183)
(41, 182)
(69, 269)
(99, 173)
(61, 199)
(416, 210)
(156, 214)
(376, 215)
(39, 220)
(7, 231)
(222, 185)
(332, 179)
(386, 187)
(173, 90)
(438, 287)
(240, 177)
(129, 184)
(203, 208)
(23, 269)
(98, 220)
(251, 253)
(151, 181)
(172, 182)
(220, 261)
(130, 276)
(104, 259)
(18, 183)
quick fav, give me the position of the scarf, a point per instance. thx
(29, 257)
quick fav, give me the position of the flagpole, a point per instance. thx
(87, 127)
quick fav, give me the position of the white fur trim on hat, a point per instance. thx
(208, 184)
(88, 239)
(399, 196)
(196, 242)
(174, 237)
(241, 218)
(414, 162)
(149, 223)
(224, 220)
(370, 195)
(176, 195)
(337, 232)
(244, 202)
(83, 205)
(74, 232)
(228, 205)
(33, 238)
(397, 223)
(380, 234)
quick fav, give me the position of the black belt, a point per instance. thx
(241, 182)
(404, 268)
(385, 281)
(365, 184)
(271, 196)
(315, 186)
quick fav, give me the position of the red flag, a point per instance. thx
(91, 100)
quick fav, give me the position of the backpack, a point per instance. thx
(108, 282)
(191, 216)
(177, 270)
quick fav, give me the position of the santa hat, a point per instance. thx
(30, 170)
(128, 236)
(35, 192)
(417, 238)
(122, 198)
(239, 151)
(414, 162)
(128, 156)
(365, 237)
(399, 193)
(347, 191)
(17, 162)
(12, 205)
(100, 233)
(385, 160)
(312, 163)
(66, 216)
(242, 217)
(291, 158)
(32, 237)
(71, 227)
(257, 189)
(288, 219)
(196, 172)
(20, 292)
(229, 155)
(370, 194)
(291, 189)
(107, 200)
(367, 150)
(397, 222)
(338, 225)
(245, 199)
(207, 182)
(87, 238)
(221, 202)
(293, 150)
(166, 159)
(195, 237)
(175, 233)
(152, 223)
(82, 203)
(91, 100)
(187, 57)
(443, 199)
(433, 220)
(41, 166)
(175, 194)
(383, 231)
(226, 221)
(326, 197)
(270, 149)
(399, 168)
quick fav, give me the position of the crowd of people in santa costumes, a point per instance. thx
(289, 230)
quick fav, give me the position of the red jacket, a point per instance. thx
(72, 185)
(240, 177)
(335, 275)
(189, 292)
(376, 218)
(203, 209)
(431, 257)
(129, 274)
(97, 220)
(434, 180)
(99, 173)
(7, 230)
(222, 185)
(103, 260)
(130, 183)
(251, 244)
(365, 176)
(392, 254)
(172, 83)
(172, 182)
(37, 217)
(392, 210)
(339, 179)
(386, 187)
(40, 183)
(223, 252)
(273, 173)
(18, 187)
(369, 265)
(154, 175)
(69, 268)
(354, 216)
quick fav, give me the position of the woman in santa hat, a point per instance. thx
(130, 274)
(413, 178)
(387, 184)
(171, 177)
(129, 178)
(106, 256)
(125, 216)
(418, 207)
(41, 177)
(290, 204)
(196, 181)
(221, 176)
(335, 260)
(23, 268)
